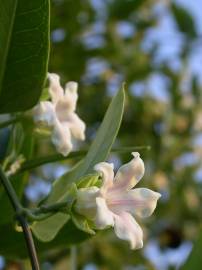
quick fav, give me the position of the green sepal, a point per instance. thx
(82, 223)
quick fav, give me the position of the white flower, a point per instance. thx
(60, 114)
(116, 202)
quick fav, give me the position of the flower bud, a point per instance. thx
(86, 202)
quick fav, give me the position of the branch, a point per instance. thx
(45, 211)
(33, 163)
(19, 215)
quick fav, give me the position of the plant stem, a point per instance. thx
(31, 164)
(45, 211)
(19, 215)
(30, 243)
(73, 258)
(51, 207)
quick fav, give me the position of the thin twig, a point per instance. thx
(19, 215)
(73, 258)
(45, 211)
(30, 243)
(33, 163)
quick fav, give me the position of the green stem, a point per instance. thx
(9, 122)
(51, 208)
(33, 163)
(73, 258)
(45, 211)
(19, 215)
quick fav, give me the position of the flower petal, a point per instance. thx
(107, 171)
(146, 201)
(86, 201)
(129, 174)
(77, 126)
(61, 138)
(104, 217)
(71, 93)
(44, 112)
(63, 108)
(126, 228)
(139, 201)
(55, 89)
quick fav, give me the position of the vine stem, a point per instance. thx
(73, 258)
(33, 163)
(46, 211)
(19, 215)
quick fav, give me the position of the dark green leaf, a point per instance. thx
(24, 35)
(184, 20)
(194, 260)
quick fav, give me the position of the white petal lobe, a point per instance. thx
(126, 228)
(44, 112)
(129, 174)
(56, 91)
(104, 216)
(107, 171)
(142, 202)
(61, 138)
(71, 94)
(77, 126)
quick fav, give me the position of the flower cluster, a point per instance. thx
(59, 114)
(116, 202)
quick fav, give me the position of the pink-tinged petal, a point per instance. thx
(77, 126)
(55, 89)
(126, 228)
(140, 202)
(44, 112)
(129, 174)
(107, 171)
(71, 93)
(86, 201)
(61, 138)
(104, 217)
(63, 108)
(146, 201)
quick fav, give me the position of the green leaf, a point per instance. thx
(24, 35)
(194, 260)
(98, 152)
(47, 229)
(82, 223)
(184, 20)
(89, 181)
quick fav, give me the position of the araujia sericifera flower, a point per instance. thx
(116, 202)
(59, 113)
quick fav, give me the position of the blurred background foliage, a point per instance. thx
(155, 47)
